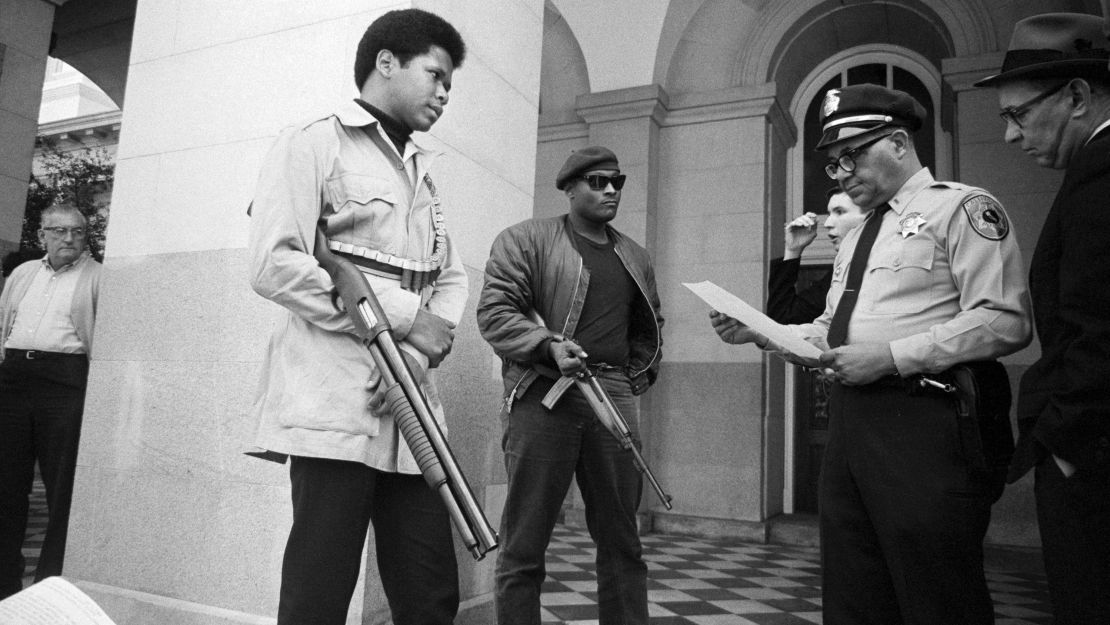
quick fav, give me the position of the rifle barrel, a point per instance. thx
(610, 416)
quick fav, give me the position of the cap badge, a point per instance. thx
(831, 103)
(911, 224)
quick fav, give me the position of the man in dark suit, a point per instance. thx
(1054, 91)
(786, 303)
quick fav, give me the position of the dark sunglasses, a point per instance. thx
(598, 182)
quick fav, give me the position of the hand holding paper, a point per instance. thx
(724, 302)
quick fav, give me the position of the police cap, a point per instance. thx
(856, 109)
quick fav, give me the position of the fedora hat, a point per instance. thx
(1061, 45)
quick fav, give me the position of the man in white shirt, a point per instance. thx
(47, 312)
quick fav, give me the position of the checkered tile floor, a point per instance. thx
(704, 582)
(692, 581)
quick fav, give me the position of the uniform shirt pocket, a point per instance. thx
(901, 279)
(365, 212)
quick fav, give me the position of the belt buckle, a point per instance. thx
(30, 355)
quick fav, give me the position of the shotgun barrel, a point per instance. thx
(407, 403)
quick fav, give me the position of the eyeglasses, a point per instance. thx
(60, 231)
(847, 160)
(598, 182)
(1013, 114)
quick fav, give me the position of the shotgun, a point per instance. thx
(407, 403)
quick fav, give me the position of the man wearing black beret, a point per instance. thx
(925, 295)
(563, 294)
(1054, 95)
(357, 173)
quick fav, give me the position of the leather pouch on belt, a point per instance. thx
(983, 408)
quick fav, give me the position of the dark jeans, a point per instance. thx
(41, 402)
(902, 517)
(1074, 518)
(544, 450)
(334, 502)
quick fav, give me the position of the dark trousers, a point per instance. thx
(41, 402)
(902, 518)
(544, 451)
(1074, 518)
(333, 504)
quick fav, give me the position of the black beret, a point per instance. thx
(593, 157)
(857, 109)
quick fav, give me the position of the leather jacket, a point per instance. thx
(535, 266)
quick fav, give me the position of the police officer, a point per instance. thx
(931, 281)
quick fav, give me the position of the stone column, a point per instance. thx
(24, 43)
(713, 425)
(717, 415)
(627, 122)
(171, 523)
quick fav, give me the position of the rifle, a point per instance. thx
(605, 411)
(613, 421)
(407, 403)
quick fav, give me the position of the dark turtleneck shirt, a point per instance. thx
(397, 132)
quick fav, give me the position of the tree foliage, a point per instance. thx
(81, 177)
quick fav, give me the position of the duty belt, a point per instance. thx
(943, 381)
(914, 384)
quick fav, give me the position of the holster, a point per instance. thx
(983, 401)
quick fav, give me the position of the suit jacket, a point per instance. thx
(1064, 398)
(785, 303)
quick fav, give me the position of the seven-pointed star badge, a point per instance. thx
(911, 224)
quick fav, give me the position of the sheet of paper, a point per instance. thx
(53, 601)
(724, 302)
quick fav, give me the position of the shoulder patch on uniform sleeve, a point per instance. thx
(987, 217)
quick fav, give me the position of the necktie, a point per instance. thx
(838, 328)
